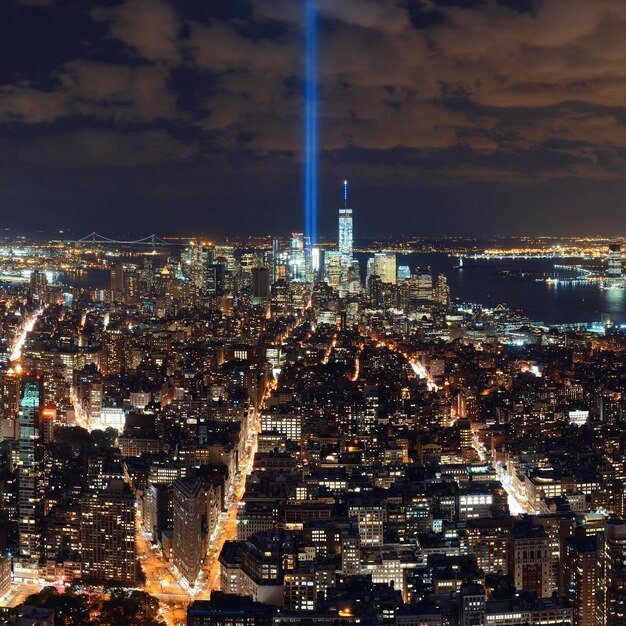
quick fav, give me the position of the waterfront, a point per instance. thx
(482, 282)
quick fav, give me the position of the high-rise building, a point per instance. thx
(196, 261)
(382, 264)
(442, 290)
(189, 511)
(113, 353)
(215, 279)
(422, 286)
(297, 258)
(30, 479)
(10, 387)
(529, 559)
(581, 576)
(117, 280)
(38, 286)
(611, 589)
(345, 230)
(261, 283)
(107, 533)
(615, 261)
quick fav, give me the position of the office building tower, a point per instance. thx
(581, 576)
(345, 230)
(224, 253)
(422, 286)
(442, 290)
(332, 268)
(403, 272)
(611, 589)
(215, 283)
(383, 265)
(30, 479)
(260, 283)
(615, 261)
(107, 533)
(189, 512)
(5, 575)
(38, 286)
(297, 257)
(117, 280)
(10, 389)
(195, 264)
(529, 559)
(275, 259)
(113, 353)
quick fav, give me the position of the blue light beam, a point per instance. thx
(311, 123)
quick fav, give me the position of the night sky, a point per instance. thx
(185, 116)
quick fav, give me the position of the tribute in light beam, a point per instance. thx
(311, 133)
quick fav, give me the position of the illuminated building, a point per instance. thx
(369, 517)
(224, 254)
(300, 591)
(107, 533)
(5, 576)
(611, 589)
(113, 352)
(10, 394)
(30, 479)
(345, 230)
(442, 290)
(38, 286)
(117, 281)
(281, 299)
(333, 268)
(383, 265)
(615, 261)
(421, 286)
(297, 258)
(229, 610)
(195, 264)
(189, 513)
(287, 424)
(256, 566)
(260, 283)
(529, 559)
(215, 279)
(582, 577)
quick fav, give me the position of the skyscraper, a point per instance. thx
(38, 286)
(107, 533)
(611, 590)
(189, 522)
(30, 479)
(615, 261)
(297, 259)
(345, 230)
(382, 264)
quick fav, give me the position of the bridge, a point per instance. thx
(96, 238)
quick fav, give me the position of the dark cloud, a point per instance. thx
(415, 95)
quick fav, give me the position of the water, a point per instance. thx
(85, 279)
(479, 282)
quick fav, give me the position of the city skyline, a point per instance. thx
(198, 112)
(313, 312)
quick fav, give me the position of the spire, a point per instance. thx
(345, 193)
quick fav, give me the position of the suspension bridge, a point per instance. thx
(96, 238)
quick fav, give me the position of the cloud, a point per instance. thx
(119, 93)
(481, 81)
(151, 28)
